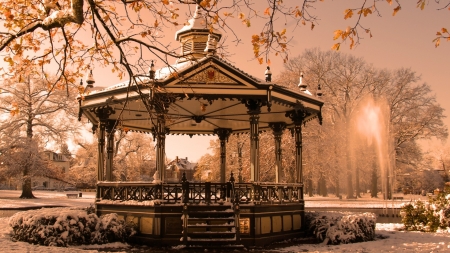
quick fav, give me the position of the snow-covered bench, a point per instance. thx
(72, 195)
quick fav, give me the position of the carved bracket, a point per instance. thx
(223, 133)
(253, 105)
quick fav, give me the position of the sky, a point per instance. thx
(400, 41)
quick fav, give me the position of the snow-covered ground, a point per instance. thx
(389, 238)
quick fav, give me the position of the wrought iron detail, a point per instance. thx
(254, 105)
(207, 192)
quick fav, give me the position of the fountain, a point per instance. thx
(372, 124)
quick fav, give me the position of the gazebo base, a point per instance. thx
(164, 225)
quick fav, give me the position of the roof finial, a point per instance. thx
(301, 85)
(268, 74)
(90, 80)
(151, 71)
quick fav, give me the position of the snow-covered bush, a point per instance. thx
(68, 226)
(341, 227)
(428, 216)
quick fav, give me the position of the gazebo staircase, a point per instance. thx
(211, 226)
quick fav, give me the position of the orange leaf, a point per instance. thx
(337, 34)
(389, 2)
(396, 10)
(336, 46)
(348, 13)
(444, 30)
(267, 11)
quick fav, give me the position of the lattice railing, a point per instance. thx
(196, 192)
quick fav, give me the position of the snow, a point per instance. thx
(389, 237)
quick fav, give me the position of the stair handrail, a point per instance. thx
(234, 198)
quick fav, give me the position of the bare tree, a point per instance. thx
(346, 80)
(34, 111)
(135, 157)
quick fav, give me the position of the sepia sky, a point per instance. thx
(401, 41)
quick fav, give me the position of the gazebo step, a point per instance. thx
(211, 226)
(231, 218)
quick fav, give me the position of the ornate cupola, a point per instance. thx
(194, 37)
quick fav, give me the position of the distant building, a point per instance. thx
(178, 166)
(62, 163)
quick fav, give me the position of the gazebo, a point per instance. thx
(202, 94)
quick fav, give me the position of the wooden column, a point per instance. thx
(223, 134)
(254, 109)
(278, 128)
(103, 114)
(298, 116)
(101, 152)
(109, 149)
(160, 133)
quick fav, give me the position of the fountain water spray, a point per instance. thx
(372, 123)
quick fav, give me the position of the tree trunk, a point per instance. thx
(26, 183)
(357, 189)
(338, 192)
(310, 187)
(349, 178)
(26, 186)
(374, 186)
(349, 167)
(323, 187)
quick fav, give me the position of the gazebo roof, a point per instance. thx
(201, 96)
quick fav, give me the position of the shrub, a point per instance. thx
(341, 227)
(68, 226)
(428, 216)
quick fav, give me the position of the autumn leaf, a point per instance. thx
(156, 23)
(260, 60)
(267, 11)
(241, 15)
(337, 34)
(312, 26)
(268, 62)
(437, 41)
(421, 4)
(348, 13)
(396, 10)
(444, 30)
(336, 46)
(166, 2)
(389, 2)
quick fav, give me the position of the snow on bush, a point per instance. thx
(68, 226)
(428, 216)
(341, 227)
